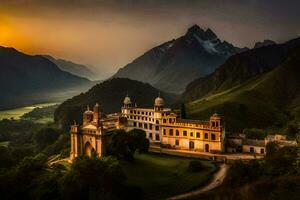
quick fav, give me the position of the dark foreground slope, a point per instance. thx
(110, 95)
(28, 79)
(269, 99)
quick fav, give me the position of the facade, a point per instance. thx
(91, 136)
(240, 143)
(162, 126)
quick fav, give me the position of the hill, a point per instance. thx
(239, 68)
(26, 79)
(172, 65)
(71, 67)
(110, 95)
(267, 100)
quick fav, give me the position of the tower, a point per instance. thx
(159, 103)
(87, 116)
(215, 121)
(96, 114)
(127, 102)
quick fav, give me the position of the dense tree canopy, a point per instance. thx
(124, 144)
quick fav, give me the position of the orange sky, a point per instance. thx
(110, 35)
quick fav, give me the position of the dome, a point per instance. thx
(88, 111)
(127, 100)
(159, 101)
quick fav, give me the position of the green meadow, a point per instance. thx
(17, 113)
(162, 176)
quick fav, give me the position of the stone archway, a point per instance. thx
(191, 145)
(88, 149)
(206, 148)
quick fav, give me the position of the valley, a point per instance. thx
(17, 113)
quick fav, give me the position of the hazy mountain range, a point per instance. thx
(73, 68)
(172, 65)
(26, 79)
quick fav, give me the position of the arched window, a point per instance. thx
(157, 122)
(213, 136)
(171, 132)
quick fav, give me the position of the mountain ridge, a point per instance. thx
(173, 64)
(24, 75)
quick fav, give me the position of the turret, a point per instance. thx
(96, 114)
(87, 116)
(215, 121)
(127, 102)
(159, 103)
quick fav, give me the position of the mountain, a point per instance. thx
(110, 95)
(26, 79)
(240, 68)
(252, 90)
(264, 43)
(172, 65)
(71, 67)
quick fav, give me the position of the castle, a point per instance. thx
(162, 126)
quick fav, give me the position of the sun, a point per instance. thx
(11, 35)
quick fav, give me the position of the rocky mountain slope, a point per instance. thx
(172, 65)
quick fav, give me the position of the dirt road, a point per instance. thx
(216, 181)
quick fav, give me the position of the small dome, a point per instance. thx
(127, 100)
(216, 115)
(88, 111)
(159, 101)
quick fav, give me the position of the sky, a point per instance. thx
(108, 34)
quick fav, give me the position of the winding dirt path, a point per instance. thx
(216, 181)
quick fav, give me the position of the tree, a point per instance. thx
(124, 144)
(45, 137)
(93, 178)
(292, 130)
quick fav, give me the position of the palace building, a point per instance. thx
(162, 126)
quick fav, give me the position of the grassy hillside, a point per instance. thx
(268, 100)
(110, 95)
(240, 68)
